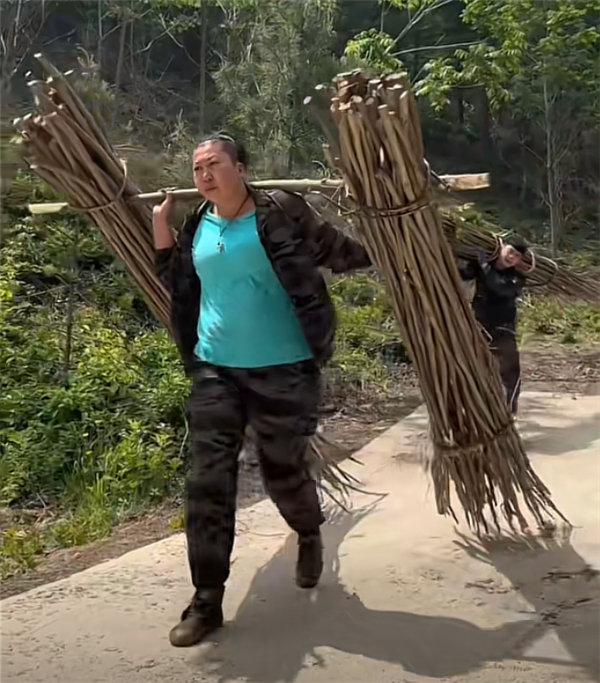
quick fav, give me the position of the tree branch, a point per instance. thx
(435, 47)
(421, 13)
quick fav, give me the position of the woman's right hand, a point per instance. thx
(165, 211)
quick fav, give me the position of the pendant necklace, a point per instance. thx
(220, 243)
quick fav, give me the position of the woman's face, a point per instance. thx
(510, 257)
(216, 175)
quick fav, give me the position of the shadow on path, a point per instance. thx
(279, 629)
(556, 440)
(562, 588)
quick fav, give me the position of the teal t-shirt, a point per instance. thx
(247, 319)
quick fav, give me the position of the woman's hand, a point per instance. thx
(165, 211)
(162, 218)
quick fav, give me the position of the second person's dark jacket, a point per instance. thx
(496, 294)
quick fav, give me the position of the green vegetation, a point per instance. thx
(545, 320)
(92, 394)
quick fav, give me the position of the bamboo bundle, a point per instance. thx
(475, 443)
(67, 149)
(554, 279)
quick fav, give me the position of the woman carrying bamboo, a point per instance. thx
(498, 286)
(254, 322)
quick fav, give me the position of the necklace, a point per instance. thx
(220, 243)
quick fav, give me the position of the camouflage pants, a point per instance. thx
(503, 346)
(280, 404)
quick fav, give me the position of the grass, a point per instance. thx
(542, 319)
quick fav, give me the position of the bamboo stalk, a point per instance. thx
(475, 181)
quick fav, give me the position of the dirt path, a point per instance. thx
(351, 427)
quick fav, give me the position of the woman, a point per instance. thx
(498, 286)
(254, 323)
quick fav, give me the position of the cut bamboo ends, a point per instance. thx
(476, 448)
(67, 149)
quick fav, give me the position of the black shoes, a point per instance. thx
(310, 559)
(205, 613)
(200, 619)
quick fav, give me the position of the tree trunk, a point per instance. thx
(6, 74)
(203, 51)
(460, 108)
(9, 59)
(551, 179)
(485, 128)
(132, 51)
(122, 38)
(100, 37)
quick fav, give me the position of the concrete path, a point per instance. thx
(406, 597)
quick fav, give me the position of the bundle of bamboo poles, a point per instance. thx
(475, 444)
(541, 272)
(66, 148)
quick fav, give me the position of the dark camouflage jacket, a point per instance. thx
(296, 243)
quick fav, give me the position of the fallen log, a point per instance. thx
(476, 446)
